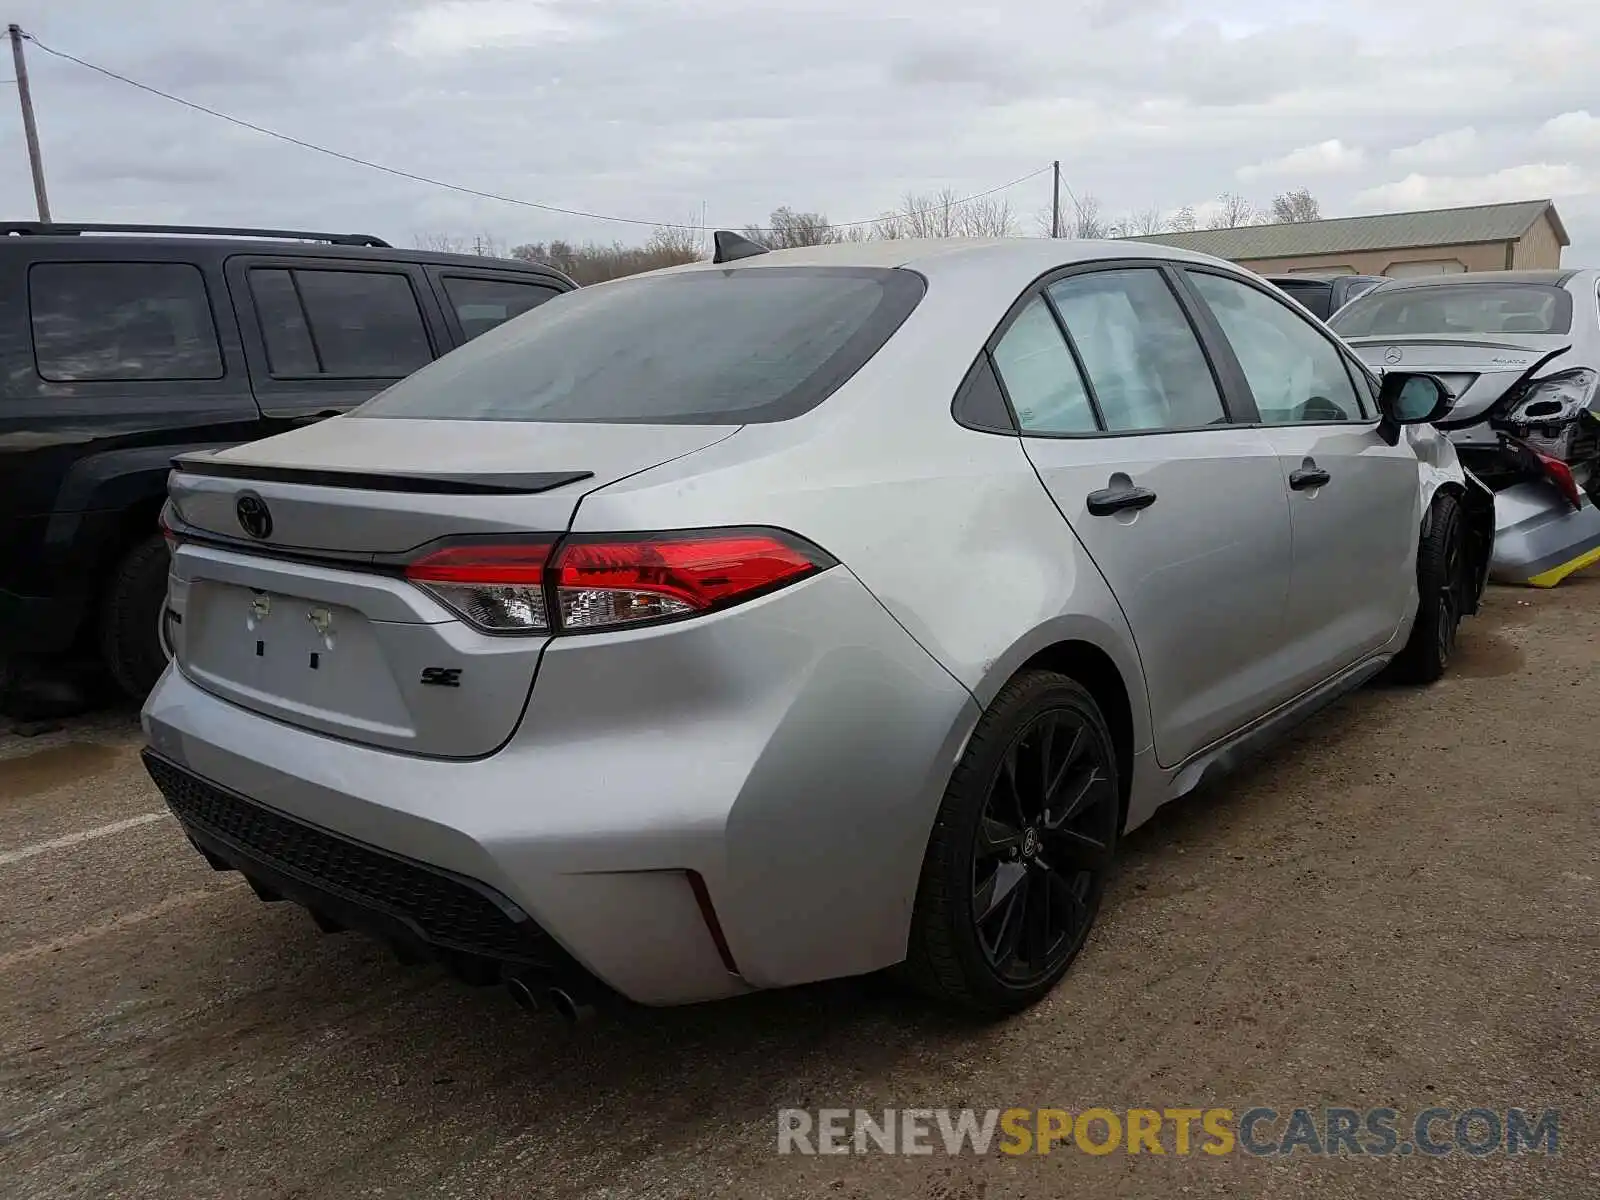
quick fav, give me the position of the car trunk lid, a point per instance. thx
(288, 577)
(1477, 370)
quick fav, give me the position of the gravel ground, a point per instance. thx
(1397, 907)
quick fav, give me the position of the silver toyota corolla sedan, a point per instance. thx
(1522, 350)
(795, 615)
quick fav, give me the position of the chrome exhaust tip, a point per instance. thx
(568, 1007)
(527, 998)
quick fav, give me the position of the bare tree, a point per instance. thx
(1143, 222)
(988, 217)
(1182, 221)
(484, 245)
(1297, 205)
(677, 242)
(440, 243)
(594, 263)
(1086, 221)
(1235, 211)
(787, 228)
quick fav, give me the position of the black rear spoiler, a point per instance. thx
(415, 483)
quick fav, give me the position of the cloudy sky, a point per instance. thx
(661, 110)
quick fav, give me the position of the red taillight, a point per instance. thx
(603, 582)
(618, 581)
(498, 586)
(172, 539)
(1558, 473)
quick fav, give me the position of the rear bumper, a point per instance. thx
(791, 753)
(422, 911)
(1539, 538)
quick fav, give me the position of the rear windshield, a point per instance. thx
(1458, 308)
(701, 347)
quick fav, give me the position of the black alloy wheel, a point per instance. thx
(1042, 847)
(1020, 850)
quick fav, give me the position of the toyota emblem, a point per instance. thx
(254, 516)
(1392, 355)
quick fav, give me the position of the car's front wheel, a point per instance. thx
(1020, 851)
(1443, 587)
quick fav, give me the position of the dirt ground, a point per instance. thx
(1399, 906)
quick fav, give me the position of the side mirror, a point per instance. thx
(1410, 398)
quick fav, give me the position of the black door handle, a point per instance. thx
(1114, 500)
(1308, 477)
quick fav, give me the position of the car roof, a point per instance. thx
(1025, 257)
(221, 247)
(1316, 276)
(1556, 278)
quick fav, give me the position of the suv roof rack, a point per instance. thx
(51, 229)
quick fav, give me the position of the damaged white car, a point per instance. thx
(1521, 352)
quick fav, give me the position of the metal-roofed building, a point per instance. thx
(1524, 235)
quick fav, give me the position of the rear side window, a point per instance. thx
(122, 321)
(481, 304)
(1139, 351)
(724, 347)
(341, 324)
(1046, 390)
(1316, 297)
(1470, 308)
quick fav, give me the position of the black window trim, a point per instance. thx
(236, 268)
(205, 381)
(962, 412)
(439, 277)
(1351, 363)
(1227, 396)
(305, 313)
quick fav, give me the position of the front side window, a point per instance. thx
(1046, 391)
(340, 324)
(1141, 354)
(714, 347)
(481, 304)
(122, 321)
(1296, 374)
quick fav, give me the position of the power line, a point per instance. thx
(469, 191)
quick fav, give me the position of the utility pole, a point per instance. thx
(1055, 200)
(29, 129)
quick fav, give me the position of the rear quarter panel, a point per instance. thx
(949, 528)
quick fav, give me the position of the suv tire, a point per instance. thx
(130, 639)
(1002, 829)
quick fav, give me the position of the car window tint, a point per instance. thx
(290, 351)
(122, 321)
(1317, 297)
(1142, 357)
(1040, 377)
(722, 347)
(1295, 373)
(481, 304)
(365, 324)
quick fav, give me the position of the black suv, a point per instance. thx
(1325, 295)
(122, 345)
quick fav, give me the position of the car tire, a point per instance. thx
(1441, 594)
(130, 617)
(1017, 864)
